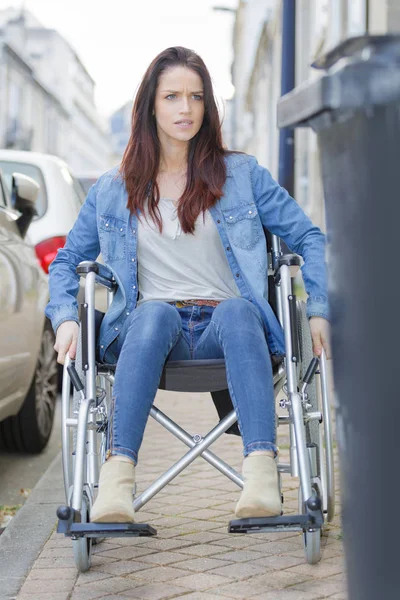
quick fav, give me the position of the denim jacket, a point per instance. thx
(251, 199)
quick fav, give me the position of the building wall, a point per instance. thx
(320, 25)
(48, 90)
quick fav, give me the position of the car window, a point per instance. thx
(80, 192)
(10, 167)
(87, 182)
(76, 191)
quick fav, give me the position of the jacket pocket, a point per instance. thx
(243, 225)
(112, 234)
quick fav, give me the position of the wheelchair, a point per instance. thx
(300, 376)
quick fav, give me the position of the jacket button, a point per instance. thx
(228, 248)
(133, 260)
(237, 274)
(116, 328)
(127, 314)
(218, 221)
(101, 346)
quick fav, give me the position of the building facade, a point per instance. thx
(47, 96)
(256, 74)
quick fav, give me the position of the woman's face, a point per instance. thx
(179, 105)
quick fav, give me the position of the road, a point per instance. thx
(22, 471)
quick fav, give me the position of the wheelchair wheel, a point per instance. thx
(101, 435)
(316, 434)
(82, 547)
(311, 539)
(306, 356)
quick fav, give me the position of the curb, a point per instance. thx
(23, 539)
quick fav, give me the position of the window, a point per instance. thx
(10, 167)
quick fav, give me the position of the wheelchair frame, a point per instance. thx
(311, 461)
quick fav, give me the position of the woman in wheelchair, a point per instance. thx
(181, 224)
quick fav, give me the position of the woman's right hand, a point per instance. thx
(66, 340)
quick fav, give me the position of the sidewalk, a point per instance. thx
(193, 557)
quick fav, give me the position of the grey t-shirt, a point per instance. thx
(177, 266)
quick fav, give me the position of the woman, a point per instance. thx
(181, 225)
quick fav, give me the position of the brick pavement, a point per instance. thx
(193, 557)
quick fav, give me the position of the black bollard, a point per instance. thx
(355, 110)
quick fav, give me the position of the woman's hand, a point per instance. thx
(66, 340)
(320, 333)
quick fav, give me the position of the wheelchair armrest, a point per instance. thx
(290, 260)
(104, 275)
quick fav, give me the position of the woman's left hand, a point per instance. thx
(320, 333)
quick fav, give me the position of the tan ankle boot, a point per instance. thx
(260, 496)
(114, 503)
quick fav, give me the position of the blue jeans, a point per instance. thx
(159, 331)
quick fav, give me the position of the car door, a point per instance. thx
(19, 328)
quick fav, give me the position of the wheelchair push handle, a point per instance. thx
(76, 382)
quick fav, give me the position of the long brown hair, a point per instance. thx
(206, 170)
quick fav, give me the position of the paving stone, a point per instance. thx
(169, 521)
(202, 564)
(158, 574)
(155, 591)
(164, 558)
(158, 544)
(122, 567)
(55, 563)
(283, 547)
(287, 594)
(276, 562)
(199, 596)
(204, 550)
(111, 585)
(44, 596)
(35, 586)
(60, 552)
(238, 570)
(90, 576)
(127, 552)
(67, 573)
(204, 537)
(208, 513)
(237, 541)
(201, 581)
(322, 569)
(104, 547)
(324, 587)
(241, 555)
(259, 584)
(86, 593)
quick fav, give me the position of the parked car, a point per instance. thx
(59, 201)
(28, 367)
(60, 198)
(88, 180)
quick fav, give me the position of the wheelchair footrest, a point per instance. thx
(92, 530)
(281, 523)
(70, 524)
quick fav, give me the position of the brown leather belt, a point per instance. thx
(183, 303)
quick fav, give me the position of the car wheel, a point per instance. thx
(30, 429)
